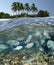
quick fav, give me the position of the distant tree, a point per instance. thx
(40, 13)
(33, 8)
(1, 14)
(21, 7)
(46, 13)
(18, 7)
(43, 13)
(14, 7)
(4, 15)
(27, 7)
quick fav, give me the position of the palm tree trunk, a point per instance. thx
(16, 14)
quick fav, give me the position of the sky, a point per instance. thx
(5, 5)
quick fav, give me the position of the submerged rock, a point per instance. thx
(42, 41)
(20, 39)
(50, 44)
(13, 42)
(38, 33)
(29, 45)
(28, 39)
(2, 47)
(18, 48)
(45, 33)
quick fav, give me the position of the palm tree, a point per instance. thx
(27, 7)
(21, 7)
(14, 7)
(18, 7)
(33, 8)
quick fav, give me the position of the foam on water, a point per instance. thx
(9, 23)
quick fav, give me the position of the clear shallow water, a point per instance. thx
(28, 30)
(27, 35)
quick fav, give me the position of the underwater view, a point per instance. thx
(27, 41)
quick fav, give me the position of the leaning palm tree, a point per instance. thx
(33, 8)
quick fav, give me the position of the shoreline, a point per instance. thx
(25, 17)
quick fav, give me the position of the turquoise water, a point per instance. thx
(31, 36)
(27, 37)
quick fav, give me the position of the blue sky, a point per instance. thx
(5, 5)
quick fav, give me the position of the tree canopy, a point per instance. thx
(33, 8)
(24, 9)
(43, 13)
(17, 6)
(4, 15)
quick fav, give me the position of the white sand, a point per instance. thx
(4, 19)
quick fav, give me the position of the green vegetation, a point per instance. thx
(42, 13)
(24, 10)
(34, 8)
(4, 15)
